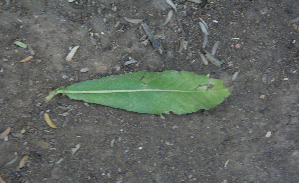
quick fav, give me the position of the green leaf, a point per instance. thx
(150, 92)
(19, 43)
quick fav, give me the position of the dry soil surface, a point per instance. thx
(251, 137)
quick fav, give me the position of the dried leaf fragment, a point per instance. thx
(172, 5)
(5, 133)
(235, 75)
(168, 18)
(134, 21)
(72, 53)
(74, 150)
(205, 34)
(213, 59)
(1, 180)
(12, 161)
(112, 142)
(26, 59)
(49, 121)
(196, 1)
(23, 161)
(157, 46)
(215, 47)
(130, 62)
(203, 58)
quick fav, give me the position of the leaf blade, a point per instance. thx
(151, 92)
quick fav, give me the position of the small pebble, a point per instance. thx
(85, 69)
(262, 97)
(64, 77)
(268, 134)
(237, 46)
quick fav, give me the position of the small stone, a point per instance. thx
(237, 46)
(264, 78)
(64, 77)
(174, 127)
(268, 134)
(85, 69)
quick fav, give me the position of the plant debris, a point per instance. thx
(205, 34)
(172, 5)
(49, 121)
(12, 161)
(235, 75)
(168, 18)
(203, 58)
(5, 133)
(23, 161)
(213, 59)
(72, 53)
(26, 59)
(1, 180)
(132, 61)
(215, 47)
(196, 1)
(134, 21)
(74, 150)
(19, 43)
(157, 46)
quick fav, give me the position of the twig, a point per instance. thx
(155, 43)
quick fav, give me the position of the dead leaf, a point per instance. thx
(49, 121)
(134, 21)
(1, 180)
(23, 161)
(26, 59)
(5, 133)
(74, 150)
(112, 142)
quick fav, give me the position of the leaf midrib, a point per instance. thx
(124, 91)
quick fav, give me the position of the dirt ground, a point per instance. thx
(251, 137)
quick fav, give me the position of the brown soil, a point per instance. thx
(224, 144)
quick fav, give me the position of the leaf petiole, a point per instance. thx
(53, 93)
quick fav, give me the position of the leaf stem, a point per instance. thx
(51, 95)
